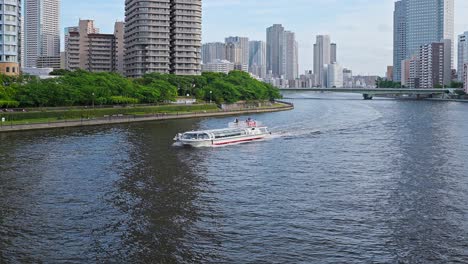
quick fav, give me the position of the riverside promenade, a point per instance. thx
(121, 119)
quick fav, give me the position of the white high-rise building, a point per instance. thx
(335, 76)
(257, 58)
(322, 56)
(10, 36)
(291, 60)
(163, 36)
(42, 30)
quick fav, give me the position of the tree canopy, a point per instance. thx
(85, 88)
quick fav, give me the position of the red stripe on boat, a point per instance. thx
(237, 141)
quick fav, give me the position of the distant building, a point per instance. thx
(405, 72)
(257, 58)
(291, 56)
(435, 60)
(399, 39)
(333, 51)
(462, 54)
(237, 51)
(307, 80)
(420, 22)
(42, 30)
(53, 62)
(222, 66)
(347, 78)
(95, 52)
(466, 77)
(241, 67)
(10, 38)
(414, 72)
(274, 50)
(389, 73)
(213, 51)
(335, 76)
(322, 57)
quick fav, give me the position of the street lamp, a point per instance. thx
(211, 92)
(93, 100)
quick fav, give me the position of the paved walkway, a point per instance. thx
(133, 118)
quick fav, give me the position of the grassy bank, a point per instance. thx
(44, 116)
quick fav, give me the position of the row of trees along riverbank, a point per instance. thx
(81, 88)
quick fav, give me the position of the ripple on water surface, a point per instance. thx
(342, 181)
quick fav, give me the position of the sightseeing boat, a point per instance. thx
(236, 133)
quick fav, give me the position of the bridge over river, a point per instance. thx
(368, 94)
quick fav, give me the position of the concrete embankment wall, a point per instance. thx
(135, 118)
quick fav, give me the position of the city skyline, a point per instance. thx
(358, 26)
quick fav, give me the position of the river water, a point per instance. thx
(342, 181)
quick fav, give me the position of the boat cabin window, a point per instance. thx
(195, 136)
(229, 133)
(203, 136)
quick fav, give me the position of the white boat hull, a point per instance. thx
(223, 142)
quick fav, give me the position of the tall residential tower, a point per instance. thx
(274, 49)
(163, 36)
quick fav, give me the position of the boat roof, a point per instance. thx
(221, 130)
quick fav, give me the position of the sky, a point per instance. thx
(362, 29)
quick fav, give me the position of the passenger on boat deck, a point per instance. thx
(236, 121)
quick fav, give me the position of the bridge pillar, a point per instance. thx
(367, 96)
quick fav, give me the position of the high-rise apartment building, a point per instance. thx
(41, 30)
(420, 22)
(434, 60)
(462, 55)
(274, 50)
(213, 51)
(237, 51)
(322, 57)
(257, 58)
(10, 36)
(95, 52)
(163, 36)
(281, 53)
(291, 60)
